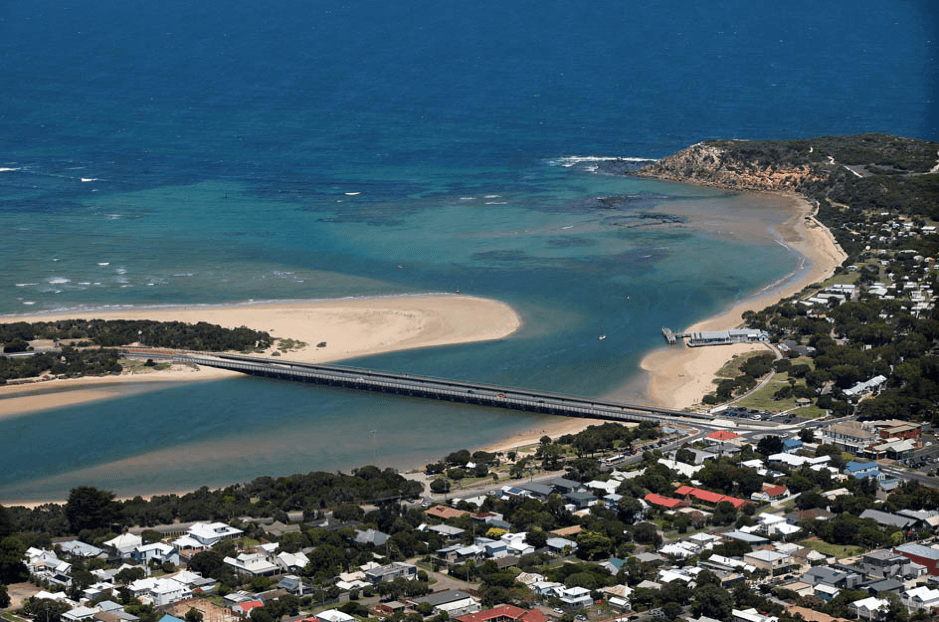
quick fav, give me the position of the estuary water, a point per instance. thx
(180, 155)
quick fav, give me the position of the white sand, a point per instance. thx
(350, 328)
(679, 377)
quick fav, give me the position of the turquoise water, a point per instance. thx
(175, 154)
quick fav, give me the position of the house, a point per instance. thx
(871, 608)
(333, 615)
(791, 444)
(79, 613)
(921, 598)
(868, 386)
(156, 552)
(206, 535)
(560, 545)
(444, 513)
(664, 502)
(124, 544)
(252, 565)
(829, 576)
(168, 591)
(810, 615)
(564, 486)
(884, 563)
(750, 615)
(575, 597)
(505, 613)
(890, 520)
(390, 572)
(860, 470)
(446, 531)
(580, 500)
(771, 561)
(770, 492)
(371, 536)
(291, 562)
(46, 565)
(77, 548)
(723, 435)
(454, 602)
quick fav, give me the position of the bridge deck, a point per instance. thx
(435, 388)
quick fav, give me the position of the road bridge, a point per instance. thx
(431, 388)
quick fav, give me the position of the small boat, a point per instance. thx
(602, 337)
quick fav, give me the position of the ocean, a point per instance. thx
(180, 155)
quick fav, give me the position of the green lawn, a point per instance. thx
(833, 550)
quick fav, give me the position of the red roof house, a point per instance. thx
(665, 502)
(505, 613)
(723, 435)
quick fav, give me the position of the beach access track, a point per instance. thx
(429, 387)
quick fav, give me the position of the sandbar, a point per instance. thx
(679, 376)
(350, 328)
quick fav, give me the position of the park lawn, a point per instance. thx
(833, 550)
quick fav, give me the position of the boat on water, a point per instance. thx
(602, 337)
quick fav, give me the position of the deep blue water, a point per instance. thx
(177, 154)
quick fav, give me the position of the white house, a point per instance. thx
(251, 564)
(871, 608)
(292, 562)
(921, 597)
(206, 535)
(124, 544)
(158, 552)
(334, 615)
(575, 597)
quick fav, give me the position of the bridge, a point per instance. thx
(429, 387)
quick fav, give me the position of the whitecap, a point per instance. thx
(104, 263)
(26, 284)
(7, 170)
(492, 196)
(114, 216)
(467, 198)
(497, 202)
(87, 179)
(184, 274)
(58, 280)
(121, 270)
(84, 282)
(569, 161)
(97, 283)
(352, 194)
(29, 302)
(56, 259)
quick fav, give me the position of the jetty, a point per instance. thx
(672, 337)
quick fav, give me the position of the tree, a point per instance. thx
(536, 538)
(90, 508)
(45, 609)
(647, 533)
(439, 486)
(193, 615)
(4, 597)
(807, 435)
(770, 445)
(712, 601)
(12, 568)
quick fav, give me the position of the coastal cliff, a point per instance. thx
(844, 175)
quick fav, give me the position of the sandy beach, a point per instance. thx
(680, 376)
(350, 328)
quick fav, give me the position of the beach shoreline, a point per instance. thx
(678, 376)
(349, 327)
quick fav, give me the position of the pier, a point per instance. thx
(429, 387)
(671, 337)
